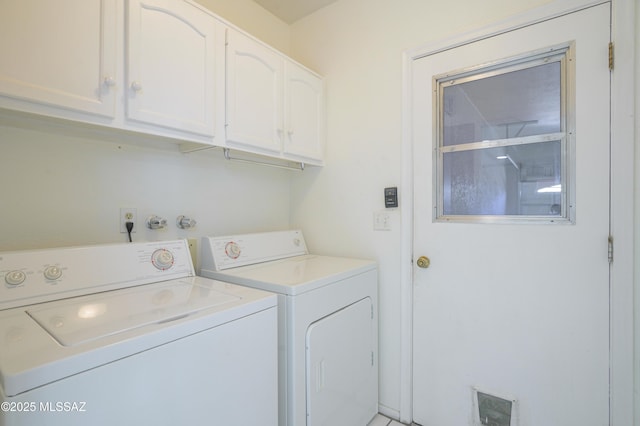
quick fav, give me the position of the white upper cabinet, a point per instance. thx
(274, 106)
(304, 113)
(165, 68)
(171, 66)
(254, 114)
(59, 53)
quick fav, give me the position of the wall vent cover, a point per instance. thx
(494, 410)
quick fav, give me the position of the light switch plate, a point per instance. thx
(381, 221)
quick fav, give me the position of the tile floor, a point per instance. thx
(380, 420)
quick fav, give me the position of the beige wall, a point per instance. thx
(637, 222)
(62, 190)
(254, 19)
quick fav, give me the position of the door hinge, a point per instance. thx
(610, 249)
(611, 56)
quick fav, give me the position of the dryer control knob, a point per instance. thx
(232, 249)
(162, 259)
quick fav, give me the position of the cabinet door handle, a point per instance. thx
(109, 81)
(136, 86)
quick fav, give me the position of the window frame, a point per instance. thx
(565, 55)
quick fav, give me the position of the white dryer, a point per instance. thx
(126, 334)
(327, 323)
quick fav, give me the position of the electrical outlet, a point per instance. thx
(128, 215)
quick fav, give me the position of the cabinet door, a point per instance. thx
(60, 53)
(254, 94)
(170, 65)
(304, 113)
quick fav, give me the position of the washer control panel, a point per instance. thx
(35, 276)
(232, 251)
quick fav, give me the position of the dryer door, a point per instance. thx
(341, 379)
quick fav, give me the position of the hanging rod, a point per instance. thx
(228, 156)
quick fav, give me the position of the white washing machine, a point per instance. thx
(126, 334)
(327, 319)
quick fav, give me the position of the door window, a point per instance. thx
(504, 135)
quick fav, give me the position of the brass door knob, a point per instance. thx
(423, 262)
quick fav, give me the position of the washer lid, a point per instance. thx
(294, 275)
(30, 357)
(84, 319)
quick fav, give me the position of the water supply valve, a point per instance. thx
(184, 222)
(156, 222)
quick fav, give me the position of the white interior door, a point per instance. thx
(515, 302)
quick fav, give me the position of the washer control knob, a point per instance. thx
(14, 278)
(162, 259)
(232, 249)
(52, 272)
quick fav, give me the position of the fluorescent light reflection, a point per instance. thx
(92, 310)
(508, 157)
(553, 188)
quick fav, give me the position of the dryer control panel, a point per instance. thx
(34, 276)
(232, 251)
